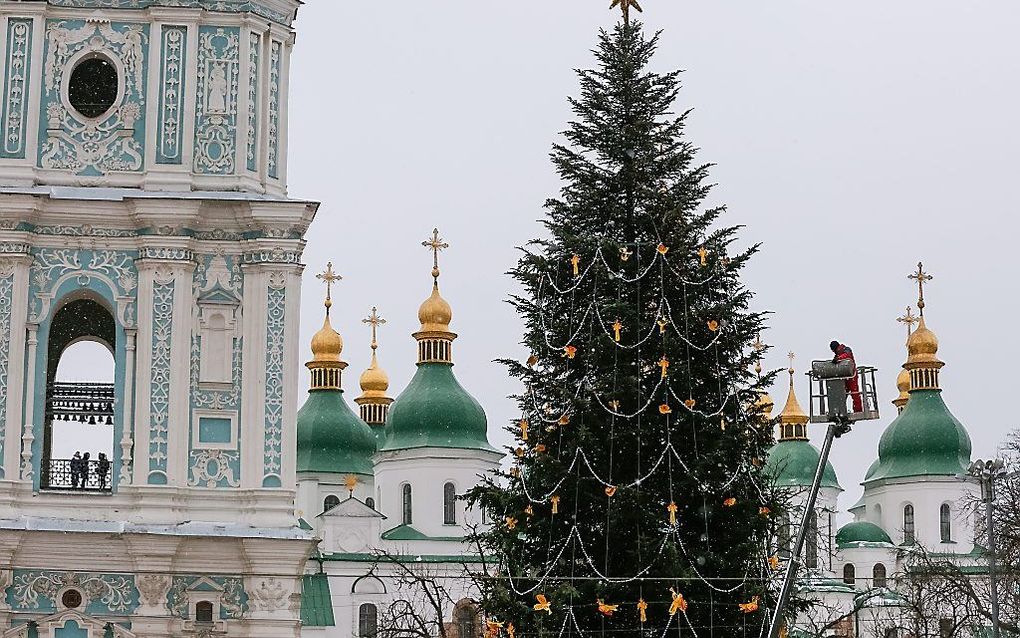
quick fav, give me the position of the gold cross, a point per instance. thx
(435, 244)
(703, 255)
(330, 278)
(921, 278)
(909, 319)
(758, 345)
(625, 6)
(375, 321)
(791, 357)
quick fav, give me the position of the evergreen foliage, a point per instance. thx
(632, 210)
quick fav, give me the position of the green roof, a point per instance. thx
(924, 440)
(434, 410)
(316, 604)
(362, 557)
(331, 438)
(861, 532)
(793, 464)
(408, 533)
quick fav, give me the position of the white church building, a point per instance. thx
(916, 495)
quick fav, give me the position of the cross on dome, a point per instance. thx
(435, 244)
(375, 321)
(921, 278)
(909, 319)
(329, 278)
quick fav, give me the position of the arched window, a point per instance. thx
(811, 553)
(203, 611)
(449, 504)
(406, 503)
(849, 574)
(466, 618)
(80, 398)
(330, 502)
(945, 523)
(878, 575)
(368, 620)
(908, 524)
(370, 502)
(784, 537)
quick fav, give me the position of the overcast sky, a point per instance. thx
(851, 139)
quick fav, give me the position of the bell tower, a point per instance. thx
(144, 214)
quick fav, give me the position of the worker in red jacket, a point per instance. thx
(842, 352)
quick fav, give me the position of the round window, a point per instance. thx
(92, 88)
(71, 599)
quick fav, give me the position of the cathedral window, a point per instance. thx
(80, 399)
(203, 611)
(945, 523)
(811, 559)
(449, 504)
(849, 574)
(368, 620)
(406, 510)
(466, 618)
(330, 502)
(93, 86)
(908, 525)
(878, 577)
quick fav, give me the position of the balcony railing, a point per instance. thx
(77, 474)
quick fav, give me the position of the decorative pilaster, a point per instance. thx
(126, 439)
(14, 270)
(17, 75)
(173, 68)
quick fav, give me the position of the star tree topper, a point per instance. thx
(625, 7)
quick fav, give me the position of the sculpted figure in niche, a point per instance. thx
(217, 101)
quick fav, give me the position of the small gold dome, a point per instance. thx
(374, 381)
(923, 345)
(327, 344)
(765, 404)
(793, 414)
(435, 314)
(903, 382)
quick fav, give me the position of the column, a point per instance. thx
(14, 273)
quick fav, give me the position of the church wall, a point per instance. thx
(927, 495)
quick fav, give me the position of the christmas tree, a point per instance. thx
(636, 501)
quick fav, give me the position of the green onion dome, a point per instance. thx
(330, 437)
(861, 532)
(793, 462)
(434, 410)
(925, 439)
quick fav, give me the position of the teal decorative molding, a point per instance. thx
(51, 266)
(19, 66)
(6, 300)
(174, 49)
(166, 253)
(229, 590)
(222, 6)
(215, 468)
(159, 387)
(272, 256)
(103, 594)
(85, 230)
(115, 141)
(276, 311)
(217, 282)
(275, 60)
(216, 110)
(254, 53)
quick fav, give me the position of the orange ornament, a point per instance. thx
(570, 352)
(606, 610)
(730, 502)
(679, 604)
(750, 606)
(662, 249)
(543, 604)
(665, 409)
(610, 491)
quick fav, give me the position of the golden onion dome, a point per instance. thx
(792, 413)
(923, 345)
(435, 313)
(327, 344)
(765, 404)
(903, 383)
(374, 381)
